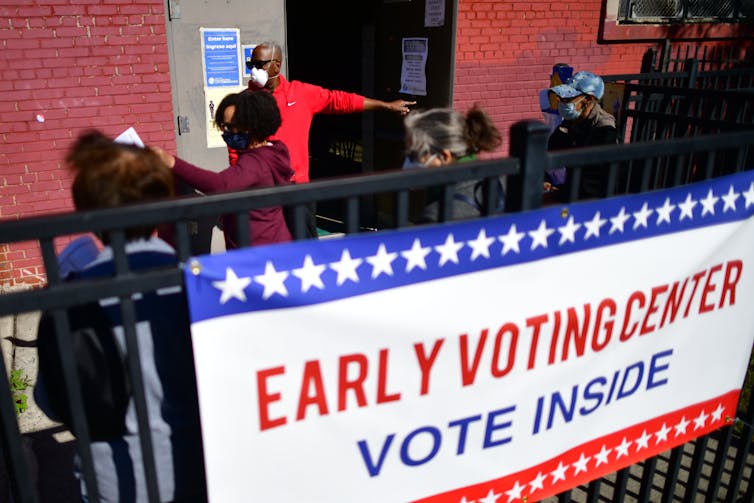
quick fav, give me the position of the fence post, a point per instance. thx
(529, 144)
(11, 448)
(692, 67)
(664, 56)
(648, 61)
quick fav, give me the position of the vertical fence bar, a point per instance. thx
(649, 468)
(573, 189)
(128, 321)
(681, 161)
(738, 467)
(352, 215)
(742, 452)
(740, 159)
(128, 317)
(445, 213)
(721, 454)
(671, 478)
(50, 259)
(621, 481)
(648, 61)
(646, 174)
(528, 142)
(243, 235)
(401, 213)
(11, 448)
(492, 196)
(298, 230)
(749, 490)
(695, 470)
(693, 66)
(664, 55)
(709, 165)
(593, 491)
(182, 241)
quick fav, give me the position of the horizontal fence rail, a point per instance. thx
(691, 75)
(660, 112)
(626, 168)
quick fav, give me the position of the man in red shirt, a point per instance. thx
(299, 102)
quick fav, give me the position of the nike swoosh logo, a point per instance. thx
(291, 103)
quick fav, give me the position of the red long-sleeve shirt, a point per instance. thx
(299, 102)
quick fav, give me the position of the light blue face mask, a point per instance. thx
(409, 164)
(568, 111)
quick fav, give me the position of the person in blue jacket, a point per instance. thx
(109, 174)
(585, 124)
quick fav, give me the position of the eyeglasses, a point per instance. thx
(258, 64)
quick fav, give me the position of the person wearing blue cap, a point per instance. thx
(76, 255)
(585, 123)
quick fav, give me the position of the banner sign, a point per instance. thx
(496, 360)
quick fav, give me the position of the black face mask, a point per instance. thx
(237, 141)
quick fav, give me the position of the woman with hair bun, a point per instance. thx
(441, 136)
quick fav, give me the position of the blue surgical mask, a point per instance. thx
(416, 164)
(568, 111)
(237, 141)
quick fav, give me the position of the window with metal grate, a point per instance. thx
(684, 11)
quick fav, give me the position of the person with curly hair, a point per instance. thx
(247, 121)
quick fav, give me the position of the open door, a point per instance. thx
(255, 22)
(365, 55)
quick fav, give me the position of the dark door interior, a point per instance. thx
(356, 46)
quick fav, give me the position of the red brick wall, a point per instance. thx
(74, 64)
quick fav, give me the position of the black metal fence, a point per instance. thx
(695, 68)
(710, 58)
(660, 112)
(656, 106)
(714, 468)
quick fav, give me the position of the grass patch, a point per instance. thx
(19, 382)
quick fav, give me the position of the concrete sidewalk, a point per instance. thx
(49, 446)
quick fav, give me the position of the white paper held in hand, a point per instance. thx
(130, 137)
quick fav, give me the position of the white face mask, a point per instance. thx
(259, 76)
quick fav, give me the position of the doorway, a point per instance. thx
(364, 56)
(193, 119)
